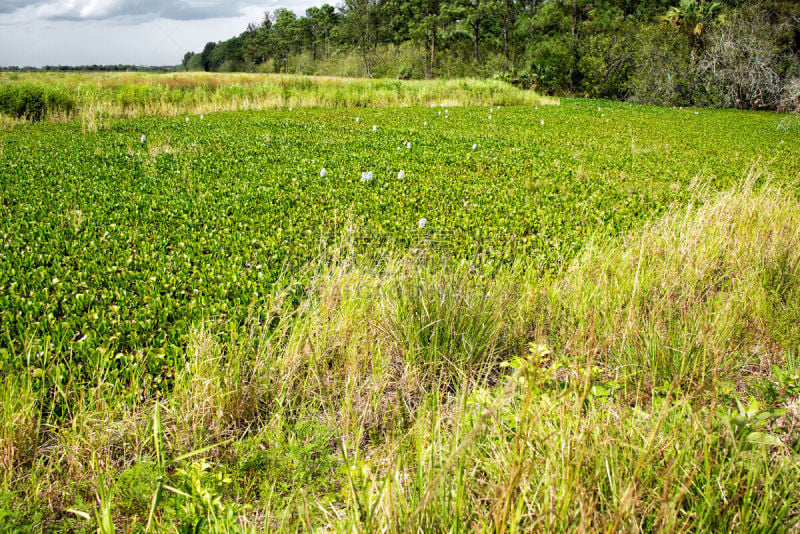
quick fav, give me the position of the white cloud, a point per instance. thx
(138, 32)
(108, 9)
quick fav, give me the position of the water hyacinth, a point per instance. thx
(422, 223)
(323, 172)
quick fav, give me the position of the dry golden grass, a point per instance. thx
(618, 417)
(103, 96)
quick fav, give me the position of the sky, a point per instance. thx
(130, 32)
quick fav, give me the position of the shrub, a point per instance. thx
(34, 102)
(741, 63)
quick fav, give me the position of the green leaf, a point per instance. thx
(762, 438)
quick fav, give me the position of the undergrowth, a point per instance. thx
(96, 98)
(651, 385)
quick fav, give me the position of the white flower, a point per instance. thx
(490, 116)
(697, 113)
(290, 108)
(401, 175)
(357, 119)
(187, 119)
(440, 113)
(142, 139)
(598, 109)
(541, 122)
(422, 223)
(408, 145)
(201, 117)
(366, 176)
(491, 110)
(374, 128)
(474, 146)
(323, 172)
(425, 123)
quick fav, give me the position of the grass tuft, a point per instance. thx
(649, 386)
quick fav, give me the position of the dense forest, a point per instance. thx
(731, 53)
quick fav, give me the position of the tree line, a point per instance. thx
(732, 53)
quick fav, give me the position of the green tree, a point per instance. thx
(362, 27)
(692, 17)
(285, 33)
(205, 55)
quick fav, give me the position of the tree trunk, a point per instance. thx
(476, 35)
(433, 50)
(505, 33)
(366, 62)
(427, 55)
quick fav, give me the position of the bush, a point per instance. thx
(664, 72)
(790, 99)
(34, 102)
(741, 63)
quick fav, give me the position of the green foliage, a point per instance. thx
(564, 333)
(135, 486)
(18, 514)
(35, 102)
(619, 49)
(298, 461)
(200, 503)
(112, 248)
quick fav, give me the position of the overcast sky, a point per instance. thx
(137, 32)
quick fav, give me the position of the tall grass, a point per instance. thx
(647, 387)
(110, 95)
